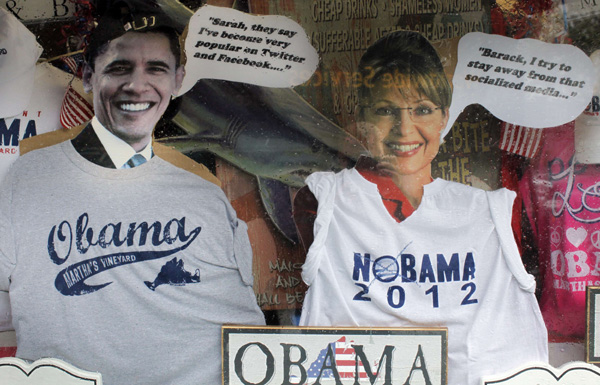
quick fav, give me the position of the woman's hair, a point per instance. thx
(410, 63)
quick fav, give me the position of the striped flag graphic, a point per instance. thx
(72, 63)
(524, 141)
(75, 109)
(344, 359)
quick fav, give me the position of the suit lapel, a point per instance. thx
(89, 146)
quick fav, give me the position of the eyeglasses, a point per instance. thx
(422, 112)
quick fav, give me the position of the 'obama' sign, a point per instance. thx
(258, 355)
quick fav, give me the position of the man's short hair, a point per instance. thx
(124, 16)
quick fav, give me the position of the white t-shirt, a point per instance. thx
(42, 113)
(452, 263)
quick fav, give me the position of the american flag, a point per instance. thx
(73, 64)
(344, 357)
(524, 141)
(75, 109)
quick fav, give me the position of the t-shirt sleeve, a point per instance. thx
(323, 186)
(501, 202)
(7, 246)
(242, 250)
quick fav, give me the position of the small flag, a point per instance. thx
(524, 141)
(344, 357)
(75, 109)
(73, 64)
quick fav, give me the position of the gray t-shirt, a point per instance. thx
(130, 273)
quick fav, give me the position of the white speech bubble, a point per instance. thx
(46, 371)
(543, 374)
(524, 82)
(270, 51)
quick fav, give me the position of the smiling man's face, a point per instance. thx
(132, 81)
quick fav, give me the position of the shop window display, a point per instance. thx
(262, 143)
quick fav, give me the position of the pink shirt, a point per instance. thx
(562, 199)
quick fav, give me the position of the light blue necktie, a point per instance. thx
(135, 161)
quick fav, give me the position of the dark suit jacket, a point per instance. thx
(89, 146)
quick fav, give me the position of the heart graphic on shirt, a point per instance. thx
(576, 236)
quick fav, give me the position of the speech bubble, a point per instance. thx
(524, 82)
(543, 374)
(270, 51)
(16, 371)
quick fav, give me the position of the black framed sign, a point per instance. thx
(293, 355)
(592, 335)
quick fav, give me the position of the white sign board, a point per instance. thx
(37, 10)
(581, 9)
(47, 371)
(286, 355)
(592, 340)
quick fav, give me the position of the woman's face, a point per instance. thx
(403, 131)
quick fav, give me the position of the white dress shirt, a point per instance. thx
(117, 149)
